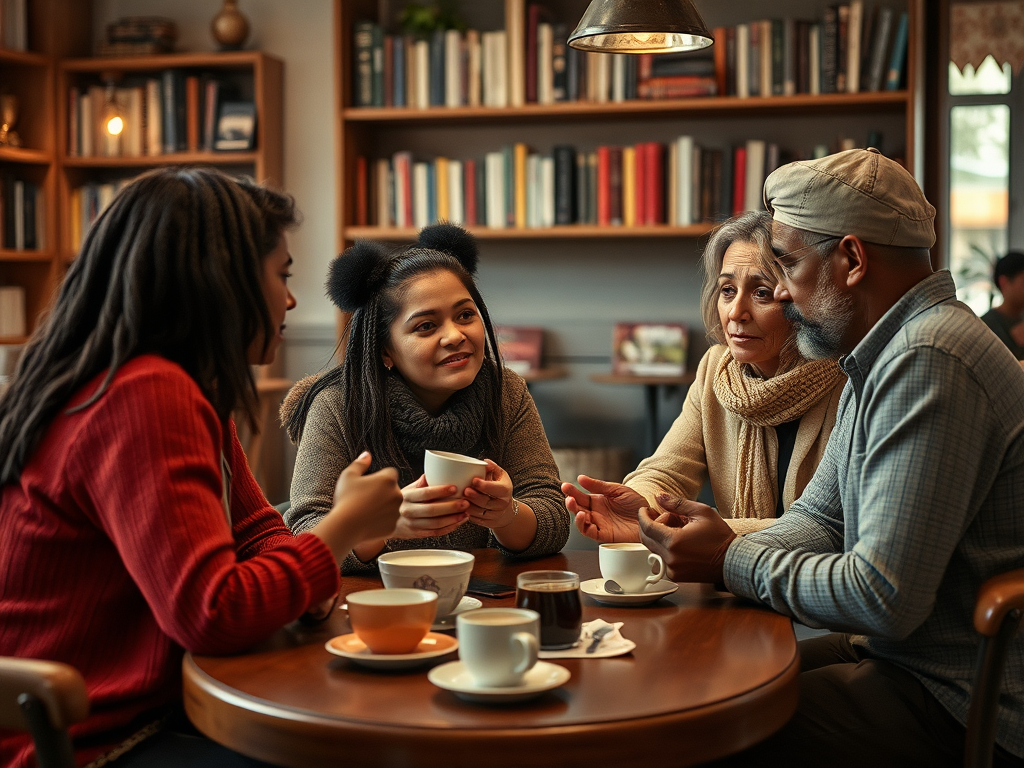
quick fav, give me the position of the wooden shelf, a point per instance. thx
(571, 231)
(706, 106)
(25, 156)
(177, 158)
(618, 378)
(23, 58)
(29, 256)
(12, 340)
(159, 62)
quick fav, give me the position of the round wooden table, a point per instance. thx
(710, 676)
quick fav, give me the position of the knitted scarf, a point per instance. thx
(458, 428)
(762, 403)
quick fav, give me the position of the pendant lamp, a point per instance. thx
(640, 26)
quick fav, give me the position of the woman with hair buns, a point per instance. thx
(421, 371)
(131, 529)
(756, 419)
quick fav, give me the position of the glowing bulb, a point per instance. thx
(115, 125)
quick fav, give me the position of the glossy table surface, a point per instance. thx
(710, 675)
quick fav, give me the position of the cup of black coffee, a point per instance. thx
(555, 595)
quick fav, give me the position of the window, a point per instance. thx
(986, 139)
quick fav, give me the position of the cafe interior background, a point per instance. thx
(954, 117)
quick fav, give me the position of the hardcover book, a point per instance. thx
(520, 347)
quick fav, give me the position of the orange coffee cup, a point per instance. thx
(391, 621)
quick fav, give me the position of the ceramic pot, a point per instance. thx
(230, 28)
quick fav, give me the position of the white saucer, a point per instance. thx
(467, 603)
(651, 593)
(454, 677)
(431, 646)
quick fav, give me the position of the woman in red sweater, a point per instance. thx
(131, 528)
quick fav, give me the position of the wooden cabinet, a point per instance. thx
(29, 76)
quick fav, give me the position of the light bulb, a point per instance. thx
(115, 125)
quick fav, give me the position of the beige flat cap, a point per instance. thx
(858, 192)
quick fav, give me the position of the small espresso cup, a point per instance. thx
(391, 621)
(630, 565)
(555, 595)
(498, 646)
(445, 468)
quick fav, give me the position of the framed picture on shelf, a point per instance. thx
(236, 126)
(649, 349)
(520, 347)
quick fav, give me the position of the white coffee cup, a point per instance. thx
(630, 565)
(498, 646)
(446, 468)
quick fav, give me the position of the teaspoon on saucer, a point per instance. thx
(613, 588)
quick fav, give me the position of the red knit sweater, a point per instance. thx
(116, 554)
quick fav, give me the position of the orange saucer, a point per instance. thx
(351, 647)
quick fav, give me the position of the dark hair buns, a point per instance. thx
(452, 239)
(353, 276)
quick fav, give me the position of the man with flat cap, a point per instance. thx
(918, 499)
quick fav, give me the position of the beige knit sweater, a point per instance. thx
(704, 441)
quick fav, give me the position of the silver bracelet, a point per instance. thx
(515, 514)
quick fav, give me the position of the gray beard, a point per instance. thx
(824, 339)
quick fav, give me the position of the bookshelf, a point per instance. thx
(243, 75)
(29, 76)
(372, 132)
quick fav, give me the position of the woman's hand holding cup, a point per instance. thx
(490, 498)
(429, 510)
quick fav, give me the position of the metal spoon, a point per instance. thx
(595, 639)
(613, 588)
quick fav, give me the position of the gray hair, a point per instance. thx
(751, 227)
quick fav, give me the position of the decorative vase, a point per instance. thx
(230, 28)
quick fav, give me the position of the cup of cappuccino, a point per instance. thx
(498, 646)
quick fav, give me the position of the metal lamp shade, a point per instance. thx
(640, 26)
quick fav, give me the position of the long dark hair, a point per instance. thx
(172, 267)
(369, 280)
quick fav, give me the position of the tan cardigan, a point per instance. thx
(704, 441)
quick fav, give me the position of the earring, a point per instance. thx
(386, 365)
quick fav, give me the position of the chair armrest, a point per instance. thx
(997, 597)
(58, 686)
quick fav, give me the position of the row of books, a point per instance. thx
(14, 25)
(679, 184)
(176, 112)
(12, 311)
(846, 51)
(452, 69)
(22, 215)
(87, 203)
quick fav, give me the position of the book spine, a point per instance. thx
(495, 162)
(842, 52)
(389, 69)
(684, 181)
(547, 192)
(421, 195)
(739, 180)
(474, 66)
(385, 199)
(559, 63)
(730, 61)
(743, 61)
(452, 68)
(362, 192)
(409, 49)
(515, 21)
(565, 184)
(191, 113)
(470, 193)
(829, 49)
(436, 71)
(456, 193)
(753, 59)
(573, 74)
(604, 203)
(170, 96)
(377, 66)
(521, 152)
(725, 191)
(509, 154)
(654, 177)
(398, 85)
(545, 72)
(533, 12)
(629, 196)
(363, 69)
(615, 185)
(853, 46)
(442, 204)
(74, 146)
(721, 63)
(582, 189)
(778, 46)
(880, 45)
(640, 203)
(814, 59)
(897, 62)
(756, 149)
(789, 57)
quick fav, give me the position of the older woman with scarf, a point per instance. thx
(756, 419)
